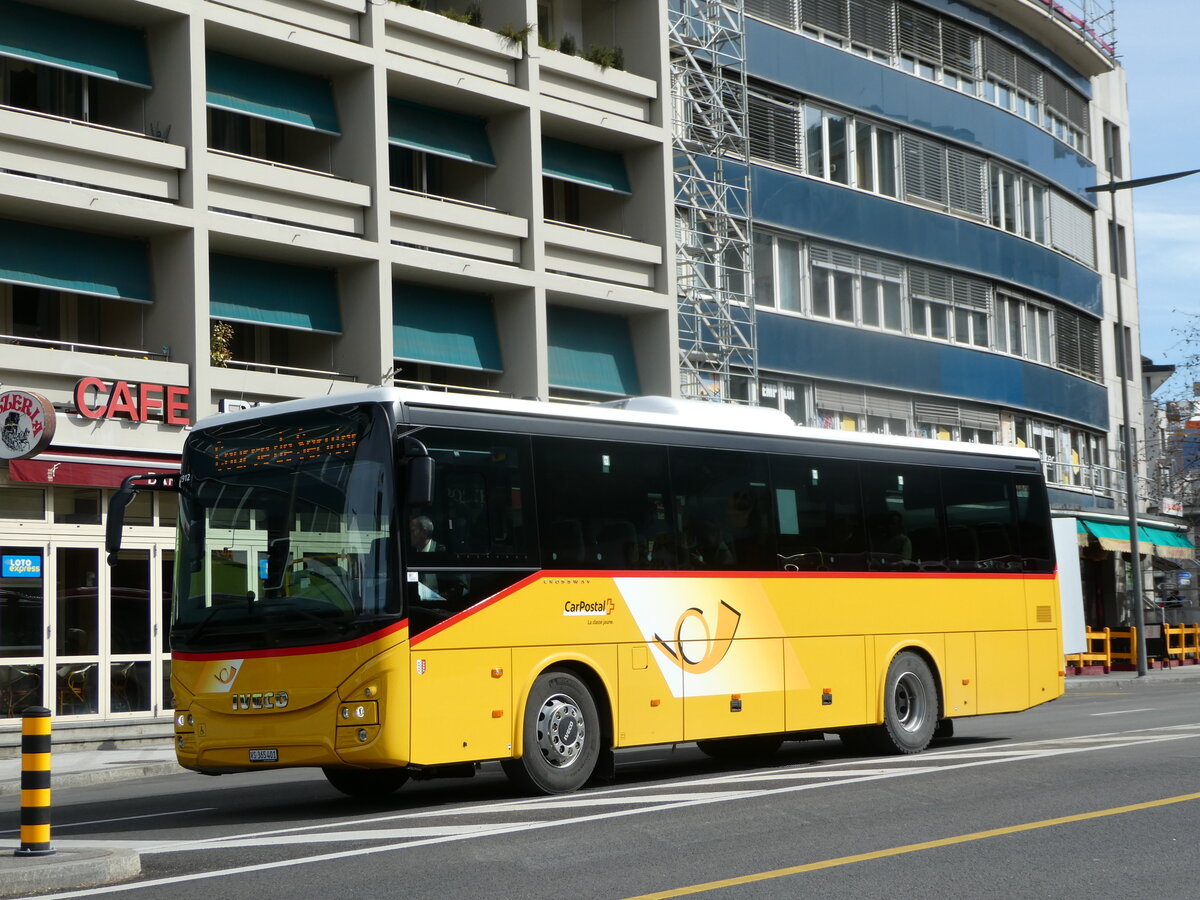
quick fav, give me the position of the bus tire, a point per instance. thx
(755, 747)
(910, 705)
(561, 736)
(363, 783)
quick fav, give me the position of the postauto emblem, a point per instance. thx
(715, 644)
(264, 700)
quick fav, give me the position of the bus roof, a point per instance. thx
(654, 411)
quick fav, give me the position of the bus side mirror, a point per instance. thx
(420, 480)
(151, 481)
(116, 518)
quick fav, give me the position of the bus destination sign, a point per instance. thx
(287, 449)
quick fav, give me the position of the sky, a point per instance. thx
(1155, 44)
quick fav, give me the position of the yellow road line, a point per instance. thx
(911, 848)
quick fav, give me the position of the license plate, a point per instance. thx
(264, 756)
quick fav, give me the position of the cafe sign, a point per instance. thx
(26, 422)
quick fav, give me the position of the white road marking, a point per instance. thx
(1123, 712)
(1050, 748)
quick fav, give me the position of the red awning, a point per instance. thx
(41, 470)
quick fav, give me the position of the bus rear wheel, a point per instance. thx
(910, 705)
(364, 783)
(560, 736)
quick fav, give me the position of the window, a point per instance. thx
(721, 500)
(1024, 329)
(1118, 258)
(904, 527)
(1122, 349)
(603, 505)
(832, 293)
(785, 395)
(818, 515)
(1113, 162)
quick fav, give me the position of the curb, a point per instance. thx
(65, 870)
(101, 776)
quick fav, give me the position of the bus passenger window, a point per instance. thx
(980, 521)
(818, 512)
(602, 505)
(904, 521)
(722, 499)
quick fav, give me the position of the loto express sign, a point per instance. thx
(99, 399)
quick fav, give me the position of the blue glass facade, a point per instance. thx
(858, 220)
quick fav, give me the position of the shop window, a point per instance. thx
(77, 506)
(26, 504)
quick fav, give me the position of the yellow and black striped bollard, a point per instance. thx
(35, 783)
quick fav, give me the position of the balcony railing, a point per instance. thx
(273, 369)
(80, 347)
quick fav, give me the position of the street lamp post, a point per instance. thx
(1126, 372)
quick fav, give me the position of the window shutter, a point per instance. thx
(851, 400)
(988, 419)
(778, 12)
(919, 33)
(774, 126)
(890, 406)
(880, 268)
(1071, 229)
(924, 169)
(826, 15)
(872, 25)
(971, 293)
(999, 61)
(1056, 94)
(958, 49)
(966, 182)
(930, 284)
(1029, 77)
(936, 413)
(1077, 343)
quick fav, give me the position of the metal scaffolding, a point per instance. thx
(717, 342)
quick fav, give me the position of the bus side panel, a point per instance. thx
(836, 664)
(461, 705)
(961, 684)
(649, 711)
(1003, 667)
(723, 701)
(1045, 665)
(381, 685)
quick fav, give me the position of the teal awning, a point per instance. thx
(79, 262)
(584, 165)
(590, 351)
(446, 328)
(439, 132)
(273, 293)
(1168, 544)
(267, 92)
(74, 43)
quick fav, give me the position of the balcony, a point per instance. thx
(265, 190)
(53, 367)
(454, 226)
(338, 18)
(436, 48)
(267, 383)
(65, 150)
(579, 89)
(600, 255)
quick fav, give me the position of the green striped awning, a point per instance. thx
(261, 292)
(588, 166)
(446, 328)
(439, 132)
(100, 265)
(1114, 536)
(75, 43)
(1169, 544)
(267, 92)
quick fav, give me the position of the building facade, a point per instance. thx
(869, 213)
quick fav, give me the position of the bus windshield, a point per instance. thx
(285, 532)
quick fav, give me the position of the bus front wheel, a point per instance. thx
(366, 782)
(560, 736)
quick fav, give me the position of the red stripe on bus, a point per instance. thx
(472, 610)
(295, 651)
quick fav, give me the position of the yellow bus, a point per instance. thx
(393, 583)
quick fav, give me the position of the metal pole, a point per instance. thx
(1131, 498)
